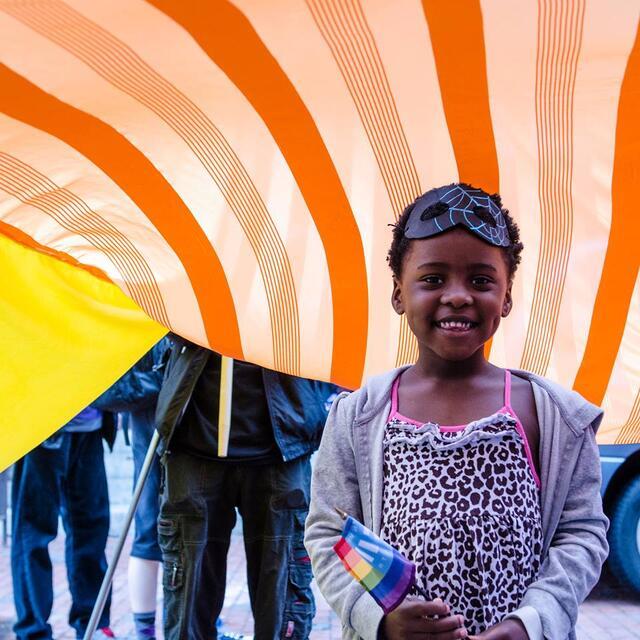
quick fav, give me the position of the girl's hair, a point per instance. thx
(400, 244)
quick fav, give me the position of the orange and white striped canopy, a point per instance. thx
(229, 171)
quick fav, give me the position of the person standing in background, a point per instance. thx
(64, 476)
(276, 423)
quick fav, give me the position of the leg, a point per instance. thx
(145, 552)
(143, 580)
(85, 515)
(35, 496)
(274, 505)
(145, 542)
(196, 517)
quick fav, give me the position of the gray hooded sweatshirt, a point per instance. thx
(348, 474)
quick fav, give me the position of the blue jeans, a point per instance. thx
(145, 541)
(197, 515)
(64, 476)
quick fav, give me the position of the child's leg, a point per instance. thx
(145, 553)
(143, 580)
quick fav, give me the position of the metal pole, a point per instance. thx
(98, 607)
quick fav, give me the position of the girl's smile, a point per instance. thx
(454, 289)
(456, 324)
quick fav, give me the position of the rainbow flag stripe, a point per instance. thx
(384, 572)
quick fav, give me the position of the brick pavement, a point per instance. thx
(610, 613)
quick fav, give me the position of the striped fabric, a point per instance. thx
(232, 168)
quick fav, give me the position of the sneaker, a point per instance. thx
(230, 636)
(103, 634)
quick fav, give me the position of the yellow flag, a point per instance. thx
(65, 336)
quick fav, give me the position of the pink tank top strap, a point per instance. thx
(519, 427)
(507, 390)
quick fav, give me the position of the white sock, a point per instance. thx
(143, 584)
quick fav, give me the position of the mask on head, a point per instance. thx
(460, 205)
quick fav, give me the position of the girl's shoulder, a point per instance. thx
(551, 397)
(523, 400)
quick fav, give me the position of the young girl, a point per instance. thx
(487, 479)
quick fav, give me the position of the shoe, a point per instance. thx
(103, 634)
(230, 636)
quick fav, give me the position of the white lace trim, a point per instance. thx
(429, 434)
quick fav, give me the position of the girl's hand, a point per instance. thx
(415, 619)
(511, 629)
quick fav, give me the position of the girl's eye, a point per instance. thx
(481, 281)
(432, 279)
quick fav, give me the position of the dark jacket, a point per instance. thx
(135, 391)
(138, 388)
(296, 405)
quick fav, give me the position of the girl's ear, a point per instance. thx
(396, 297)
(508, 302)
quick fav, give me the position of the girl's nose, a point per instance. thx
(456, 297)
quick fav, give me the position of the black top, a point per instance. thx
(251, 437)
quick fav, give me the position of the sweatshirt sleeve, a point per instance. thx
(577, 551)
(335, 484)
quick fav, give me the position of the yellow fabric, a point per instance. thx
(65, 336)
(361, 570)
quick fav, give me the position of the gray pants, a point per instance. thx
(197, 515)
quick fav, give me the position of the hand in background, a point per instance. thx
(511, 629)
(414, 618)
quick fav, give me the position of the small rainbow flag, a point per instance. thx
(384, 572)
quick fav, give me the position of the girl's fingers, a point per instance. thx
(430, 607)
(445, 626)
(450, 623)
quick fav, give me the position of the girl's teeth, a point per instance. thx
(455, 325)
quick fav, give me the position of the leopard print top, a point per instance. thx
(463, 504)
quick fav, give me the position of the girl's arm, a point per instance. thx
(335, 484)
(577, 552)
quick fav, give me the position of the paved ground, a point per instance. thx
(610, 613)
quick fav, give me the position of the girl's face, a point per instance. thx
(454, 290)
